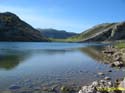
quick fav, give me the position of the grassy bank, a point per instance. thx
(120, 45)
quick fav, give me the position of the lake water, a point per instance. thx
(30, 65)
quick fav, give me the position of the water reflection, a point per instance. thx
(93, 52)
(9, 62)
(10, 58)
(44, 66)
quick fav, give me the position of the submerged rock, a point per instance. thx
(88, 89)
(14, 87)
(100, 74)
(122, 85)
(109, 70)
(107, 78)
(67, 89)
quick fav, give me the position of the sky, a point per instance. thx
(69, 15)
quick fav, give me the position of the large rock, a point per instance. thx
(123, 57)
(101, 86)
(122, 85)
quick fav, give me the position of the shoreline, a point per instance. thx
(115, 58)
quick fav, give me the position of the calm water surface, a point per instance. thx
(46, 64)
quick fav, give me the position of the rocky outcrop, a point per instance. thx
(102, 32)
(122, 85)
(102, 86)
(114, 56)
(12, 28)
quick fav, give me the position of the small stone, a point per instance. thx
(100, 73)
(95, 83)
(109, 70)
(64, 89)
(102, 81)
(14, 87)
(118, 63)
(37, 88)
(107, 78)
(112, 65)
(80, 71)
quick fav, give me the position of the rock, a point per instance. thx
(122, 50)
(100, 73)
(112, 65)
(97, 87)
(117, 56)
(118, 64)
(14, 87)
(64, 88)
(88, 89)
(108, 51)
(67, 89)
(37, 88)
(123, 56)
(107, 78)
(109, 70)
(122, 84)
(95, 83)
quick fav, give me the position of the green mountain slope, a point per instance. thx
(12, 28)
(56, 34)
(102, 32)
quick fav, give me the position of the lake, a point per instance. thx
(30, 65)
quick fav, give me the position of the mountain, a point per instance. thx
(102, 32)
(56, 34)
(12, 28)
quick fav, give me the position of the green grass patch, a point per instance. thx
(120, 45)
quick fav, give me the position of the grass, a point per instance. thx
(57, 40)
(90, 32)
(120, 45)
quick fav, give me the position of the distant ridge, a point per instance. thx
(57, 34)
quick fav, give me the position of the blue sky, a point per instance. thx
(70, 15)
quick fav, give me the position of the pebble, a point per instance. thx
(96, 86)
(107, 78)
(100, 73)
(14, 87)
(37, 88)
(109, 70)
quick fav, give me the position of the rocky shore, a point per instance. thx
(104, 86)
(115, 57)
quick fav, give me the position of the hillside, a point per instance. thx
(102, 32)
(56, 34)
(12, 28)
